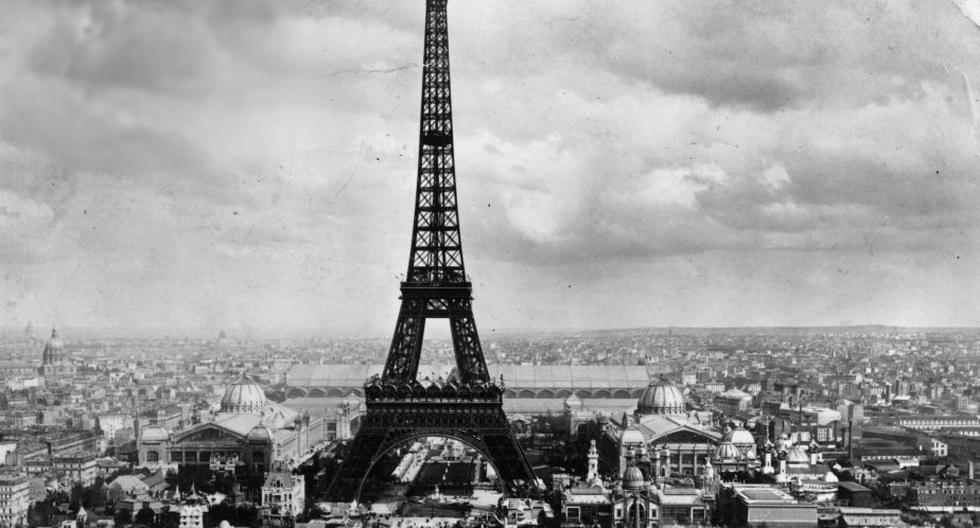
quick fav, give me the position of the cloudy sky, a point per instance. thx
(248, 164)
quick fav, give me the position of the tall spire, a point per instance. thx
(437, 254)
(436, 284)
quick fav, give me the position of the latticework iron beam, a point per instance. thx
(469, 406)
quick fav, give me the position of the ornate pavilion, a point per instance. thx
(666, 437)
(248, 430)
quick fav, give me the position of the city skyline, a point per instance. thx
(231, 166)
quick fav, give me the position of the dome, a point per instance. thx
(632, 436)
(727, 451)
(54, 350)
(244, 396)
(259, 433)
(661, 397)
(741, 437)
(633, 478)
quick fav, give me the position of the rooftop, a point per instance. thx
(763, 494)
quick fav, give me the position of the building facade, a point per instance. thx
(14, 498)
(283, 496)
(667, 438)
(249, 429)
(54, 361)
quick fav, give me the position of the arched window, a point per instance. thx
(632, 517)
(152, 456)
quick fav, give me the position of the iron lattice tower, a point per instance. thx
(469, 405)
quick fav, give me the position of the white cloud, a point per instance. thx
(224, 157)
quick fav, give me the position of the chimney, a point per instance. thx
(970, 470)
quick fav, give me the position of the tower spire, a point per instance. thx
(436, 285)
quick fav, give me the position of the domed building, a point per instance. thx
(244, 396)
(670, 439)
(661, 398)
(54, 361)
(728, 452)
(729, 458)
(632, 500)
(248, 430)
(742, 439)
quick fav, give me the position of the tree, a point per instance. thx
(218, 513)
(76, 496)
(123, 517)
(246, 515)
(39, 514)
(95, 494)
(170, 519)
(58, 497)
(146, 516)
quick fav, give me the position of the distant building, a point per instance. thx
(80, 467)
(714, 386)
(7, 449)
(527, 512)
(110, 423)
(733, 402)
(682, 507)
(124, 486)
(167, 417)
(854, 494)
(963, 425)
(585, 507)
(520, 381)
(763, 506)
(852, 517)
(54, 361)
(956, 493)
(13, 370)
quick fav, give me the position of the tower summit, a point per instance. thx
(469, 406)
(436, 284)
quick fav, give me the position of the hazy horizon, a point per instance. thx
(90, 333)
(251, 165)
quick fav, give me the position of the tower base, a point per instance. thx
(396, 415)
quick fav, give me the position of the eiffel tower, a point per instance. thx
(469, 405)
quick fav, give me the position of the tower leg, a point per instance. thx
(363, 450)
